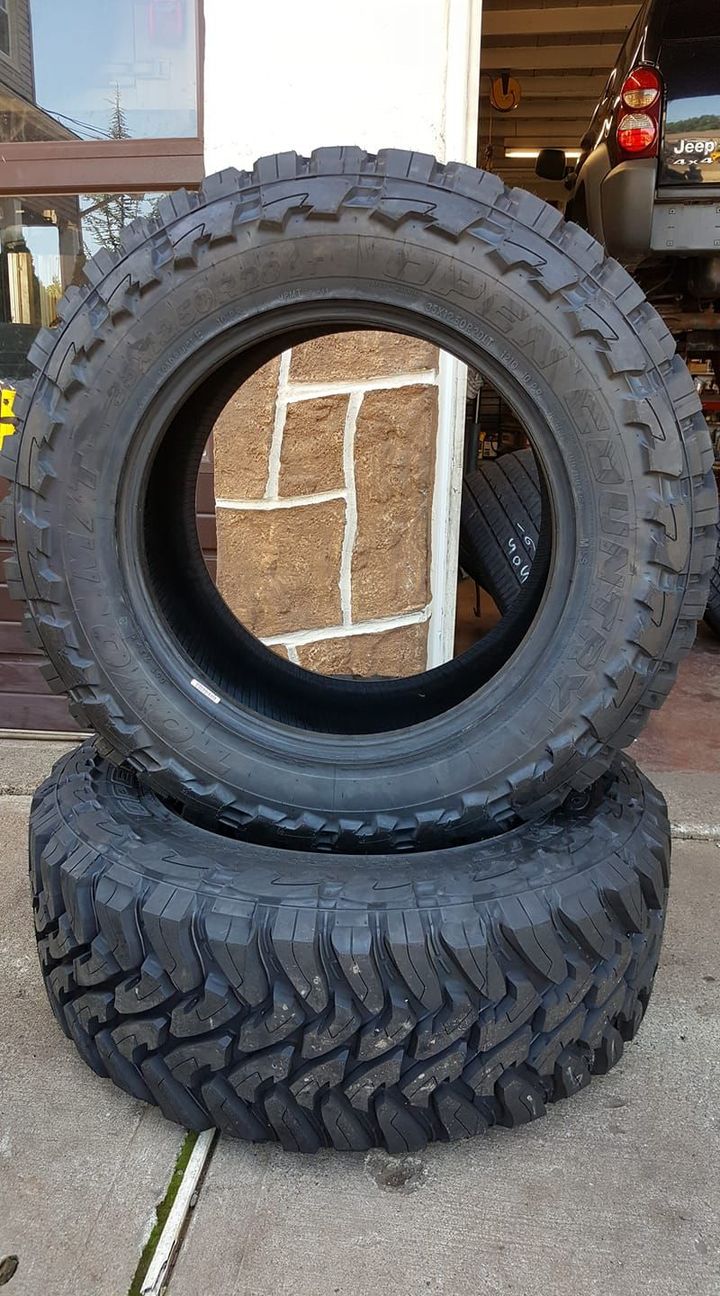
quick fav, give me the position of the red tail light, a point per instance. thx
(636, 133)
(637, 128)
(641, 89)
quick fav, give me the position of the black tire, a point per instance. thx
(322, 1001)
(500, 524)
(107, 551)
(712, 611)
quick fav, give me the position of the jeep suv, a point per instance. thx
(647, 183)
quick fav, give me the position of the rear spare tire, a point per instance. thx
(103, 522)
(326, 1001)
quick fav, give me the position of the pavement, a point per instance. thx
(614, 1191)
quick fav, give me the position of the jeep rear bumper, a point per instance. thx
(627, 199)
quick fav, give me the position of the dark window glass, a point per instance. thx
(691, 133)
(684, 18)
(44, 244)
(100, 69)
(4, 29)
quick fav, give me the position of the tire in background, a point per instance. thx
(712, 611)
(500, 524)
(324, 1001)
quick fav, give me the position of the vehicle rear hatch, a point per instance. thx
(690, 66)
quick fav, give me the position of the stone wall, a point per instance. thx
(324, 471)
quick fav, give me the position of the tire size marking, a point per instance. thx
(518, 559)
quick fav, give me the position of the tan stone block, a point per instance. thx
(352, 357)
(278, 569)
(392, 653)
(242, 436)
(311, 458)
(394, 474)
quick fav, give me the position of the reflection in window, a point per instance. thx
(4, 29)
(44, 244)
(76, 61)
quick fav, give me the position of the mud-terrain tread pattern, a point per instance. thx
(582, 282)
(332, 1014)
(500, 496)
(712, 611)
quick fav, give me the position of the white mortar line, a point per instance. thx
(445, 520)
(292, 501)
(169, 1239)
(311, 391)
(281, 404)
(298, 638)
(351, 516)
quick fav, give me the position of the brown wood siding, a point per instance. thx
(17, 72)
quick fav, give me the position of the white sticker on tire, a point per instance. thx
(206, 692)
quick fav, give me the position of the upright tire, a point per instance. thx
(107, 554)
(500, 524)
(325, 1001)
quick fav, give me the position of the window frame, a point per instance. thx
(5, 7)
(109, 166)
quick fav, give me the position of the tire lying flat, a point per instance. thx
(500, 524)
(326, 1001)
(103, 521)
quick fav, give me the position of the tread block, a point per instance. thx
(521, 1099)
(140, 1036)
(324, 1073)
(572, 1072)
(484, 1072)
(171, 1097)
(365, 1081)
(146, 990)
(345, 1128)
(340, 1023)
(119, 1068)
(263, 1029)
(194, 1060)
(96, 966)
(459, 1117)
(254, 1072)
(452, 1022)
(231, 1115)
(292, 1126)
(402, 1130)
(420, 1081)
(212, 1007)
(387, 1031)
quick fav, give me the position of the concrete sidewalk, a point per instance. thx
(615, 1191)
(82, 1165)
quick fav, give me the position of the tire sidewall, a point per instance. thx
(581, 633)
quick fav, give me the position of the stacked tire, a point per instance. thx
(338, 912)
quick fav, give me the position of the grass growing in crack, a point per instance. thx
(161, 1213)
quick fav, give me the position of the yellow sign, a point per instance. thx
(7, 411)
(505, 93)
